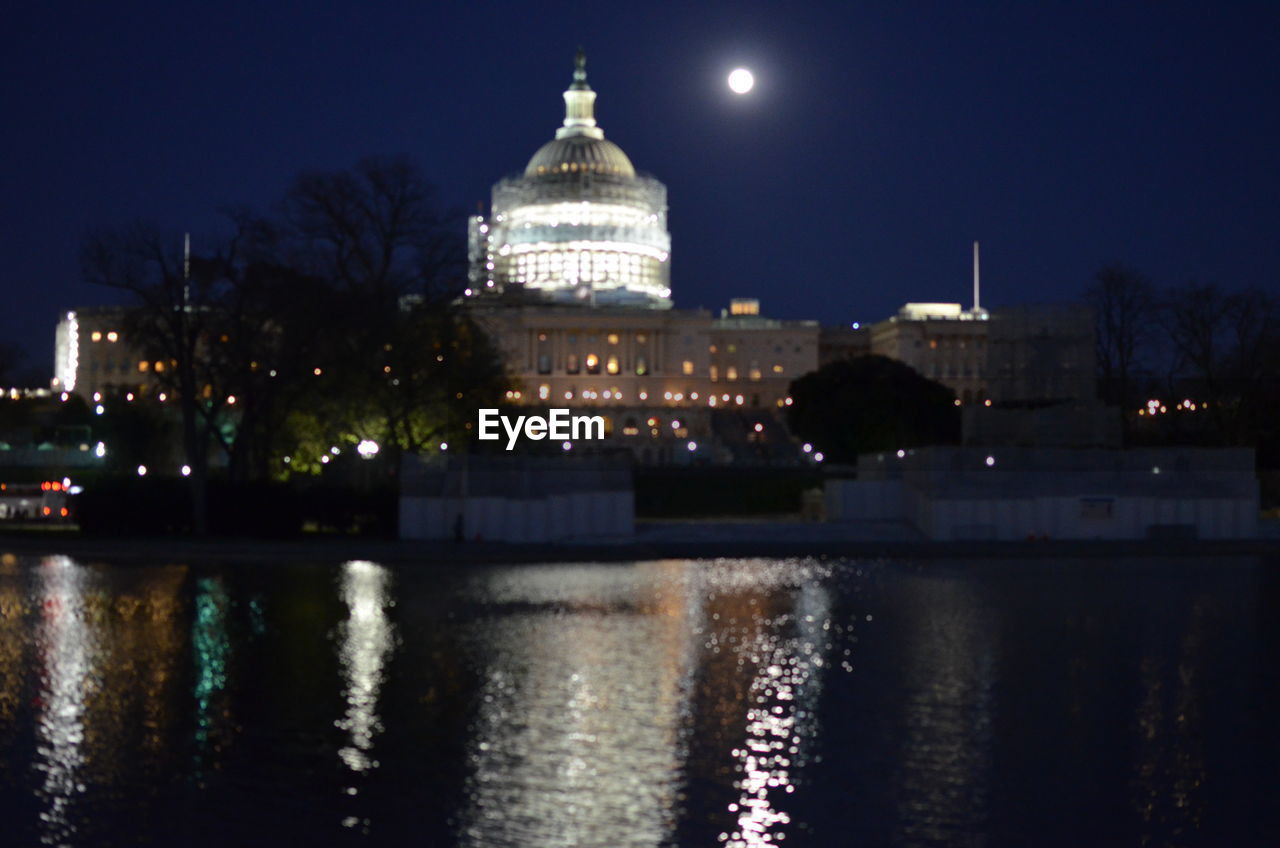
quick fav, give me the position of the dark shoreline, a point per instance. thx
(340, 549)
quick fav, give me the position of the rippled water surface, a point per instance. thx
(734, 702)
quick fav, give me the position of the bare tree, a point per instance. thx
(170, 315)
(398, 356)
(1227, 348)
(1124, 311)
(334, 320)
(11, 357)
(374, 230)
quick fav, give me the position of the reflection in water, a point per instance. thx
(211, 645)
(66, 653)
(582, 737)
(1170, 768)
(634, 705)
(366, 639)
(13, 630)
(578, 739)
(946, 755)
(787, 652)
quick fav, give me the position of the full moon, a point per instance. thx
(741, 81)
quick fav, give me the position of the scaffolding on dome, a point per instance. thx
(579, 226)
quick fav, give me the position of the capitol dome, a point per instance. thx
(580, 225)
(579, 154)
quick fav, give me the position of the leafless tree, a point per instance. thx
(11, 356)
(1227, 345)
(1124, 312)
(171, 299)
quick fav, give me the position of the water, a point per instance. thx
(737, 702)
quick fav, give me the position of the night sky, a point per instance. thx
(880, 141)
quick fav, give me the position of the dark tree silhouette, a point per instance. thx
(399, 363)
(871, 403)
(1227, 351)
(1124, 308)
(175, 302)
(11, 358)
(328, 324)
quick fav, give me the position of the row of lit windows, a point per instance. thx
(611, 365)
(579, 167)
(615, 394)
(603, 268)
(579, 261)
(111, 365)
(731, 373)
(576, 214)
(592, 363)
(733, 348)
(611, 338)
(110, 335)
(935, 343)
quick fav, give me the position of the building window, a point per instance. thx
(593, 364)
(754, 374)
(613, 338)
(544, 363)
(715, 373)
(777, 369)
(686, 367)
(612, 365)
(571, 364)
(642, 366)
(731, 373)
(97, 336)
(144, 367)
(641, 338)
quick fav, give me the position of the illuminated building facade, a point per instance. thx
(93, 356)
(579, 225)
(941, 341)
(674, 358)
(570, 275)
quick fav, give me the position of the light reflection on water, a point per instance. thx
(949, 668)
(788, 653)
(68, 650)
(579, 723)
(365, 641)
(1169, 772)
(738, 702)
(211, 652)
(586, 701)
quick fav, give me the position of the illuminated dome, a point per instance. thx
(579, 225)
(579, 154)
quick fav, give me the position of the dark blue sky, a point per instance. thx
(880, 141)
